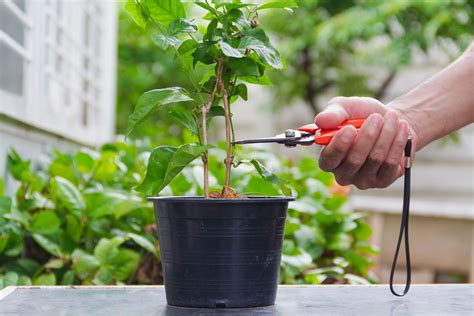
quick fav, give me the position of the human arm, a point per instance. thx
(373, 157)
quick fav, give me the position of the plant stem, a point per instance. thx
(231, 121)
(204, 109)
(228, 134)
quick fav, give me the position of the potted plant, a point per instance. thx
(221, 249)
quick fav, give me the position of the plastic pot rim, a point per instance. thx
(201, 199)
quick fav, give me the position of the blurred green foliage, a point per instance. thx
(350, 47)
(75, 219)
(142, 67)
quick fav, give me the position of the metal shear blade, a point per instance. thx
(291, 137)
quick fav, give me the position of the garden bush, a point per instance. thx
(75, 218)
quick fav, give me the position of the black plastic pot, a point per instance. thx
(219, 253)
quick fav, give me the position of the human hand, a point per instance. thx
(372, 157)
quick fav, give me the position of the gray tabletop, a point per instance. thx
(291, 300)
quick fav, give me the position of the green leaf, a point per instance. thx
(162, 11)
(125, 264)
(54, 264)
(298, 259)
(151, 100)
(45, 279)
(258, 186)
(165, 163)
(84, 264)
(5, 205)
(138, 14)
(47, 244)
(73, 228)
(206, 6)
(265, 51)
(144, 243)
(68, 194)
(355, 279)
(267, 175)
(10, 279)
(24, 281)
(241, 90)
(68, 278)
(263, 80)
(237, 16)
(204, 53)
(214, 112)
(187, 47)
(231, 51)
(103, 202)
(26, 266)
(84, 162)
(45, 223)
(15, 245)
(181, 26)
(19, 168)
(163, 41)
(2, 187)
(340, 241)
(186, 119)
(3, 242)
(291, 225)
(107, 249)
(278, 5)
(103, 277)
(243, 67)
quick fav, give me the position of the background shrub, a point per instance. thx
(75, 219)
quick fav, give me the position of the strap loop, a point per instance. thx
(404, 225)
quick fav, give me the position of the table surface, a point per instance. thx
(291, 300)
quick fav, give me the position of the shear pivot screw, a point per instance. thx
(290, 133)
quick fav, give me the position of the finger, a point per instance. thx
(391, 169)
(332, 155)
(357, 155)
(341, 109)
(380, 151)
(333, 116)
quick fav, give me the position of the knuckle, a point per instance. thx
(323, 165)
(364, 182)
(326, 163)
(376, 157)
(354, 162)
(343, 180)
(337, 100)
(361, 185)
(391, 163)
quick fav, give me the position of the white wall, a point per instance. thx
(57, 74)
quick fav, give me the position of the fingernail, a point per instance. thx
(348, 134)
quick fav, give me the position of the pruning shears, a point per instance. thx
(304, 135)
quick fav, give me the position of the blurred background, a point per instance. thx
(71, 72)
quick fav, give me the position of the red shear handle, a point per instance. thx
(323, 137)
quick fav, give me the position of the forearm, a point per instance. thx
(442, 104)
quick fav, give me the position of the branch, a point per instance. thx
(380, 92)
(204, 109)
(228, 135)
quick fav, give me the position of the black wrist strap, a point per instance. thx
(404, 225)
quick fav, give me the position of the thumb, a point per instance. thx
(333, 116)
(341, 109)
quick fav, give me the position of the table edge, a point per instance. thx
(7, 291)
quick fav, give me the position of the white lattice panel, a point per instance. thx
(57, 60)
